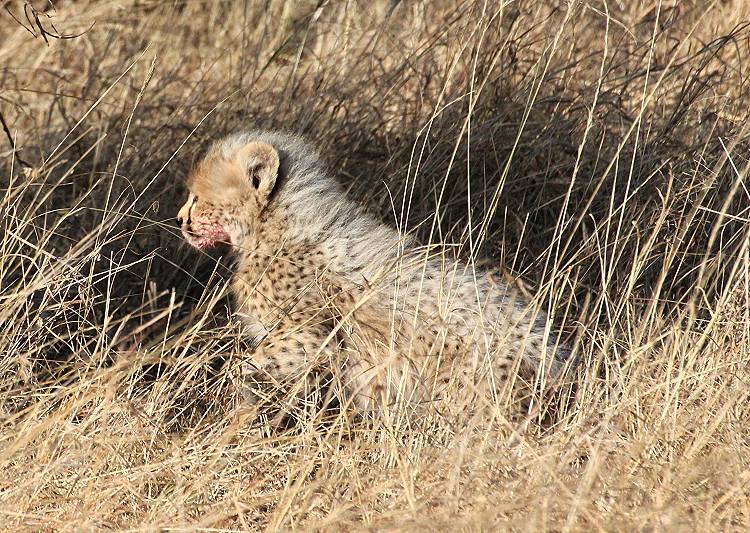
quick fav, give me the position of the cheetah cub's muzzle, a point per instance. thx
(200, 231)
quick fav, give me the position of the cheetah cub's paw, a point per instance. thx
(254, 391)
(252, 331)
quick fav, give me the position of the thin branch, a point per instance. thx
(6, 129)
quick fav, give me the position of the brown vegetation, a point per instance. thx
(598, 151)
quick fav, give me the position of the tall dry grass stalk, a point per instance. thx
(597, 150)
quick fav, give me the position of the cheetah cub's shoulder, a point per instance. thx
(326, 289)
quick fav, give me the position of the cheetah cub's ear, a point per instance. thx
(261, 162)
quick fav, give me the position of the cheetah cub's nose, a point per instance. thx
(179, 220)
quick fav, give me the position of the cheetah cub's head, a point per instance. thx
(228, 191)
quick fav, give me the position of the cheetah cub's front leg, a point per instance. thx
(288, 363)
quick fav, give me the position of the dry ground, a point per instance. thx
(596, 149)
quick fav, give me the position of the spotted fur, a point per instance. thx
(323, 287)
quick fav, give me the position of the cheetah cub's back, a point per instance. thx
(324, 288)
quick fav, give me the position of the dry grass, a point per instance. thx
(598, 151)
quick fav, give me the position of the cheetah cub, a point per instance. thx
(323, 288)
